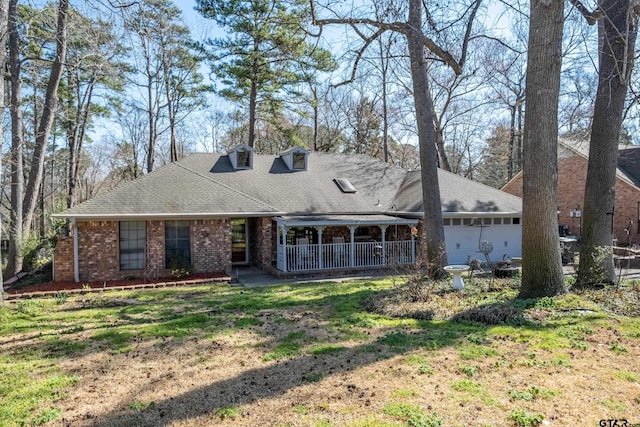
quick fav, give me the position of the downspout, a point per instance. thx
(76, 269)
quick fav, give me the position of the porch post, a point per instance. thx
(283, 230)
(413, 249)
(352, 246)
(320, 261)
(383, 229)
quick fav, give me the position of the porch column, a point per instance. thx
(413, 249)
(283, 230)
(352, 246)
(383, 229)
(320, 261)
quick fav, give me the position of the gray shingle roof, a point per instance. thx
(457, 194)
(204, 185)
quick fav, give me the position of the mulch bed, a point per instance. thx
(49, 288)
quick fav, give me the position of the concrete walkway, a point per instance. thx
(253, 277)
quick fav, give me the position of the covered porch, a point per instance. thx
(343, 242)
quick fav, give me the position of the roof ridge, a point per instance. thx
(228, 187)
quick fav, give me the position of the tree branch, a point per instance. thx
(467, 34)
(591, 17)
(363, 48)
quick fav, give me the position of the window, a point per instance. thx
(516, 221)
(244, 159)
(466, 221)
(497, 221)
(299, 161)
(177, 244)
(506, 221)
(446, 221)
(133, 240)
(456, 221)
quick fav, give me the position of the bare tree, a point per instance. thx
(541, 264)
(4, 22)
(418, 46)
(617, 21)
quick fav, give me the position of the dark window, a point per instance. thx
(177, 244)
(299, 161)
(133, 240)
(446, 221)
(244, 159)
(516, 221)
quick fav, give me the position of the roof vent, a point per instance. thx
(345, 185)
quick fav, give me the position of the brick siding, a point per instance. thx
(572, 175)
(98, 251)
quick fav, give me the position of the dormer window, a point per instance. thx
(295, 158)
(299, 161)
(241, 157)
(244, 159)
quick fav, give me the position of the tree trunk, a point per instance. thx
(14, 260)
(541, 263)
(433, 225)
(253, 101)
(4, 20)
(616, 62)
(48, 114)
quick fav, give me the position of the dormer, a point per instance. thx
(241, 157)
(296, 158)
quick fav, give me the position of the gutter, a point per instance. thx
(76, 268)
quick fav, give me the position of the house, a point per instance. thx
(297, 212)
(573, 157)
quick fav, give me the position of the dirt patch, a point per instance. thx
(34, 289)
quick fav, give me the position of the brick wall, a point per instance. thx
(63, 259)
(211, 246)
(572, 175)
(98, 250)
(262, 232)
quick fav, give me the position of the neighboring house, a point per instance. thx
(297, 212)
(573, 157)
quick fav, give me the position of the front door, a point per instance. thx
(239, 241)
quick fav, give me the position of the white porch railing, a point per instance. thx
(332, 256)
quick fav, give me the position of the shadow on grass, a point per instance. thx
(274, 379)
(277, 378)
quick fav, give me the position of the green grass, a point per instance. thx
(413, 415)
(116, 322)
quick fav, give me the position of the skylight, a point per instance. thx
(345, 185)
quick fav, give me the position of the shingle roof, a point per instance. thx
(629, 163)
(203, 185)
(457, 194)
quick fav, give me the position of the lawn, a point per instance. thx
(358, 353)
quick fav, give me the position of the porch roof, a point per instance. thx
(343, 220)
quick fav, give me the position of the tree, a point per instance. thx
(541, 264)
(618, 20)
(4, 22)
(167, 78)
(14, 258)
(94, 62)
(418, 44)
(23, 206)
(265, 55)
